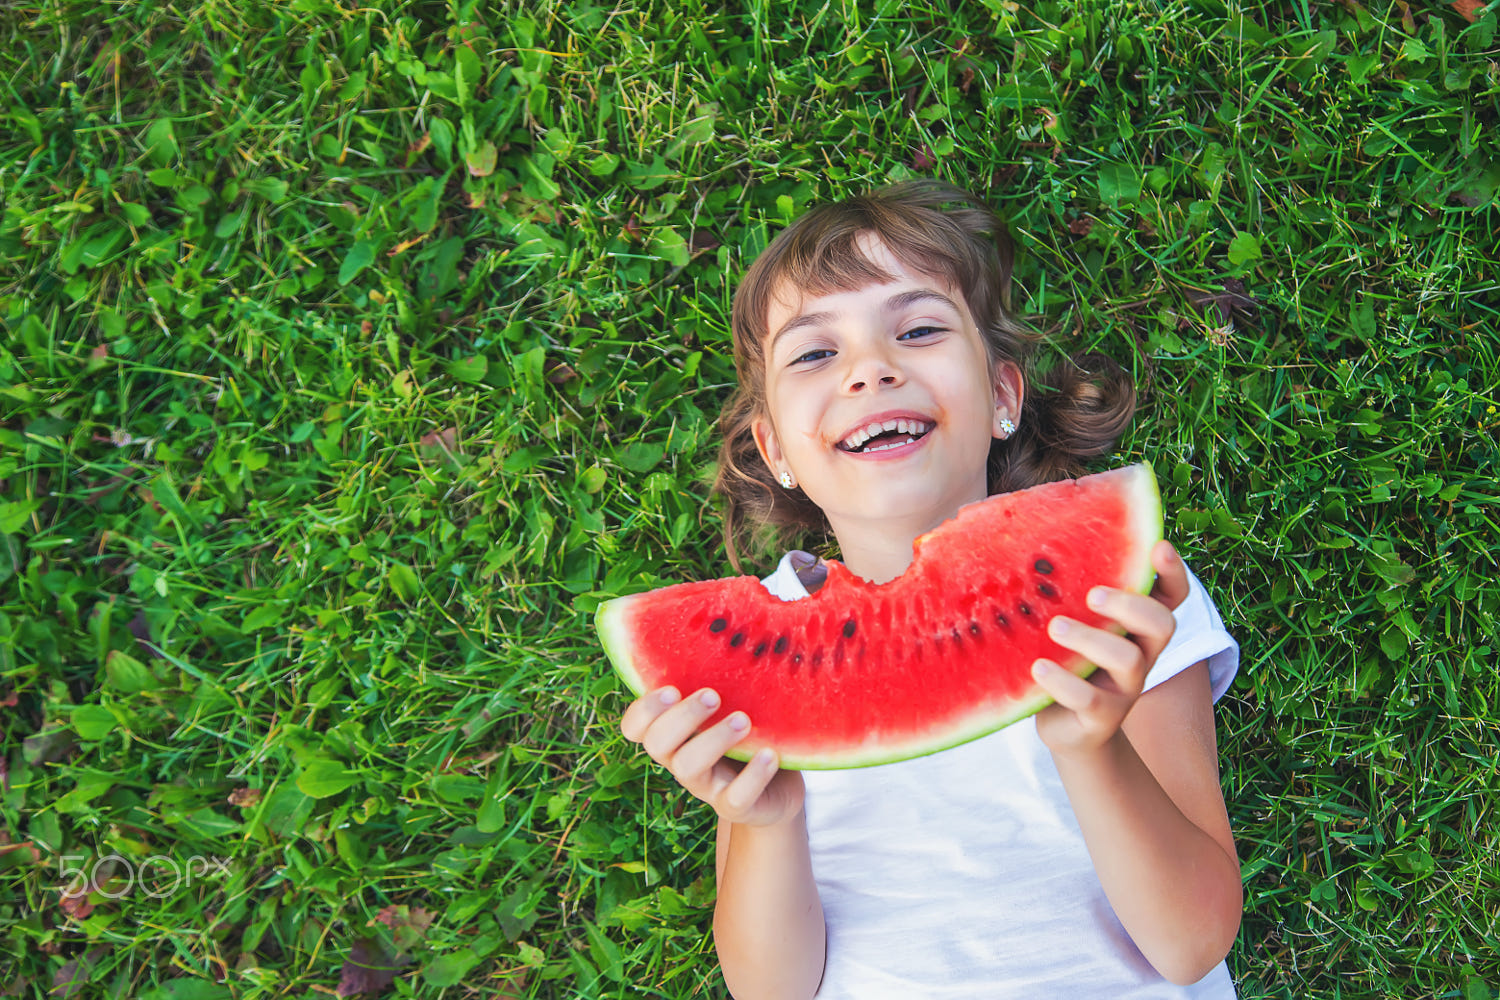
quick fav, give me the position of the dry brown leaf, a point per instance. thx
(1469, 9)
(1407, 21)
(75, 975)
(408, 924)
(368, 969)
(1233, 299)
(141, 629)
(46, 747)
(76, 904)
(25, 850)
(446, 439)
(245, 797)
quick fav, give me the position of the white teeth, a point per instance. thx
(913, 427)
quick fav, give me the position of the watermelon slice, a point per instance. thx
(859, 673)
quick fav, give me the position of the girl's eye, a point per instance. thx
(920, 330)
(812, 356)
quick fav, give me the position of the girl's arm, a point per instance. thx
(1153, 817)
(768, 920)
(1141, 772)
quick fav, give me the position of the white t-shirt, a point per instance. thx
(963, 874)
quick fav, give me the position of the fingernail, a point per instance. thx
(1060, 626)
(765, 756)
(1096, 597)
(739, 722)
(710, 699)
(1040, 667)
(670, 696)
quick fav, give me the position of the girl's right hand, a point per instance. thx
(757, 793)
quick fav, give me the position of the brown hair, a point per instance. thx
(1071, 413)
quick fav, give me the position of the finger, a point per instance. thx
(1122, 659)
(710, 785)
(674, 726)
(746, 789)
(1069, 690)
(698, 755)
(1145, 619)
(645, 710)
(1171, 586)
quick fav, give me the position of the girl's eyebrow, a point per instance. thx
(896, 303)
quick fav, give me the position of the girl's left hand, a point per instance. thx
(1088, 713)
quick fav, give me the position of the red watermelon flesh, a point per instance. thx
(860, 673)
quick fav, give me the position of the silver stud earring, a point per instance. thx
(1006, 428)
(786, 480)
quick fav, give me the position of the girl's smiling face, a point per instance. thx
(903, 359)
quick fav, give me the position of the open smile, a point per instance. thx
(887, 435)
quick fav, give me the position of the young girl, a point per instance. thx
(1083, 853)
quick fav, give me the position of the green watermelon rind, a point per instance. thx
(611, 617)
(614, 636)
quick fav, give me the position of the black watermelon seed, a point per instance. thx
(718, 625)
(737, 638)
(1001, 620)
(761, 648)
(849, 629)
(973, 628)
(1025, 608)
(1043, 566)
(796, 659)
(780, 646)
(1046, 590)
(957, 637)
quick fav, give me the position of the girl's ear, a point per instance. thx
(768, 446)
(1010, 394)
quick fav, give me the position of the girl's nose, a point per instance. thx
(871, 368)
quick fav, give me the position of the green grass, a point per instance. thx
(352, 354)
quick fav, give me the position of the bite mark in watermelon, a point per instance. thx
(857, 673)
